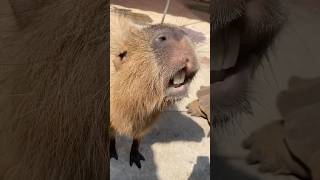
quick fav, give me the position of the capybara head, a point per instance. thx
(152, 65)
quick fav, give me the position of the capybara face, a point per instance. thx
(175, 58)
(153, 65)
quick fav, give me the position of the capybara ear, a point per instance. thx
(120, 59)
(123, 29)
(122, 56)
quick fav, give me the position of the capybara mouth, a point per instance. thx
(178, 85)
(229, 58)
(175, 55)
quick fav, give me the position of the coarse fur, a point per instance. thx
(151, 67)
(258, 23)
(56, 124)
(139, 73)
(136, 88)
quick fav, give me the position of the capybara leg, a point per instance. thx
(113, 150)
(135, 155)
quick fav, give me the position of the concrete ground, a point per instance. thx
(296, 52)
(178, 146)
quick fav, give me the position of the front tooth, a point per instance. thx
(232, 54)
(226, 50)
(218, 51)
(179, 78)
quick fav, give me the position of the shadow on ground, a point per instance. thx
(202, 166)
(168, 148)
(221, 169)
(172, 126)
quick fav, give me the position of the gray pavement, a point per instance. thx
(178, 146)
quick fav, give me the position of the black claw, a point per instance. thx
(113, 150)
(136, 157)
(113, 154)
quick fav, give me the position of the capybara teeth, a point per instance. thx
(179, 78)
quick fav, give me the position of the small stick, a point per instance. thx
(165, 11)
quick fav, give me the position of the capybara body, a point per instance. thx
(151, 68)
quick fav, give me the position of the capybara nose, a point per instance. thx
(173, 47)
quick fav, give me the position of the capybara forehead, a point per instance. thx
(156, 29)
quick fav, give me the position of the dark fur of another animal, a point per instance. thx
(56, 125)
(258, 28)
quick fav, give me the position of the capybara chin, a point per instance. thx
(151, 68)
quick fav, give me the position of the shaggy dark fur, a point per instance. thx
(58, 123)
(258, 23)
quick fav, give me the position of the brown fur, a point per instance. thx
(136, 97)
(55, 125)
(138, 82)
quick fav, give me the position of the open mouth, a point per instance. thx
(226, 61)
(179, 83)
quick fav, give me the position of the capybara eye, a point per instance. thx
(123, 55)
(162, 38)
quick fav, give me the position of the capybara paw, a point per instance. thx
(136, 157)
(113, 154)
